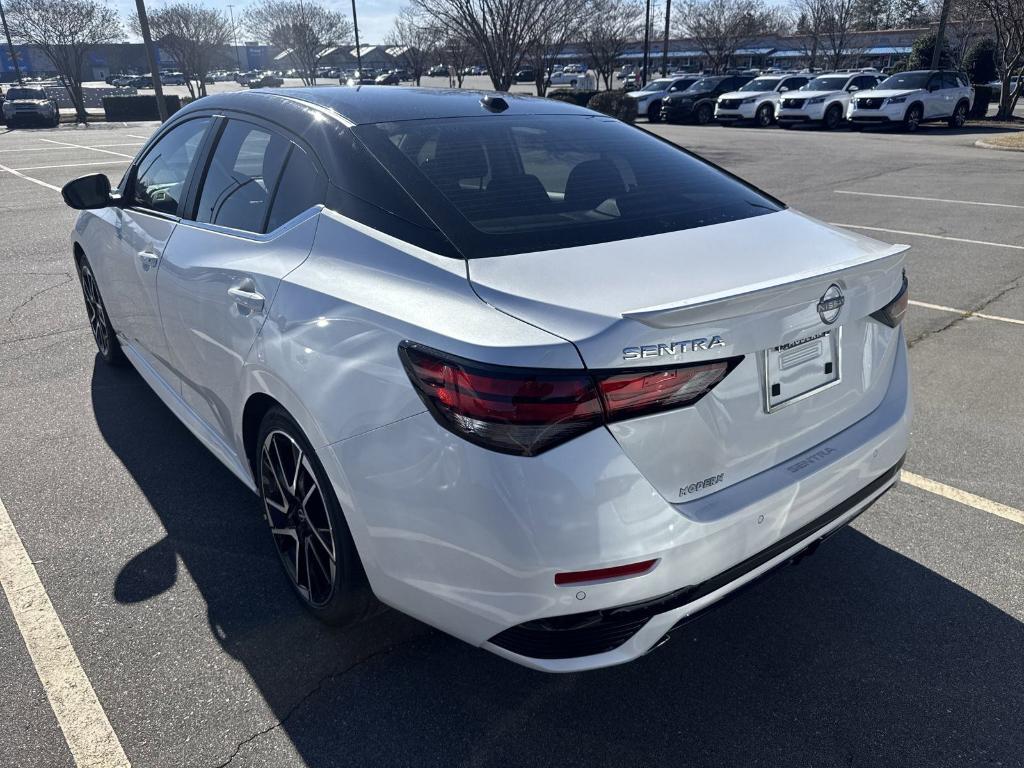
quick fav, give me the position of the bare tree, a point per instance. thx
(501, 31)
(308, 31)
(562, 26)
(609, 29)
(194, 35)
(65, 31)
(810, 26)
(414, 41)
(456, 51)
(838, 32)
(722, 27)
(1007, 18)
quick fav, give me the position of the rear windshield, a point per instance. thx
(905, 81)
(26, 93)
(507, 184)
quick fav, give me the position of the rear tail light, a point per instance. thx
(525, 411)
(892, 313)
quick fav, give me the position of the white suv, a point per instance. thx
(758, 100)
(911, 98)
(648, 99)
(825, 99)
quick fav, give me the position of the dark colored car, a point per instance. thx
(360, 77)
(388, 78)
(525, 76)
(697, 103)
(266, 81)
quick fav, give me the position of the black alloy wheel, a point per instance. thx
(307, 525)
(99, 322)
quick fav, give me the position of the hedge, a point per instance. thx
(573, 96)
(130, 108)
(982, 98)
(614, 103)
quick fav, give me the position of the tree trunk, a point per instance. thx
(78, 99)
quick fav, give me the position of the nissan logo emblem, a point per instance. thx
(830, 304)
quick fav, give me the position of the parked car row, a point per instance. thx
(859, 98)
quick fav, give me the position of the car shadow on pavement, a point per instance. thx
(858, 656)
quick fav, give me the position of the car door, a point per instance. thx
(143, 225)
(251, 221)
(951, 91)
(934, 101)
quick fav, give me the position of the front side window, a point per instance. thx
(241, 178)
(160, 178)
(518, 184)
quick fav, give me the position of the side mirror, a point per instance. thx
(783, 89)
(87, 192)
(853, 89)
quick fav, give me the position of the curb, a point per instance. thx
(999, 147)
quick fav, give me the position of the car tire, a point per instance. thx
(654, 112)
(959, 116)
(308, 527)
(705, 114)
(764, 116)
(107, 345)
(788, 126)
(833, 117)
(56, 120)
(912, 119)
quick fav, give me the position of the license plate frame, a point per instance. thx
(791, 365)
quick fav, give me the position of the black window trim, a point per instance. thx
(222, 118)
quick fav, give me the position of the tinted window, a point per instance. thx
(827, 84)
(949, 80)
(241, 178)
(160, 179)
(520, 184)
(905, 81)
(793, 83)
(705, 84)
(298, 190)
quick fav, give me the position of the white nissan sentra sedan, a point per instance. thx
(529, 374)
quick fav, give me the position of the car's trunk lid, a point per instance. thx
(722, 291)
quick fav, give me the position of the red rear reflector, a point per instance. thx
(525, 411)
(600, 574)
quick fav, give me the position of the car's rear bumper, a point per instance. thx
(469, 541)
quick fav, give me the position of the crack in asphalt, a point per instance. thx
(309, 695)
(36, 294)
(6, 342)
(969, 313)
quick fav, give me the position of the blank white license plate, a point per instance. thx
(801, 368)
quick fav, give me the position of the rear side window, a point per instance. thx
(517, 184)
(298, 190)
(160, 178)
(242, 177)
(949, 80)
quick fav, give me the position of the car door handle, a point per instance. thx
(149, 259)
(250, 300)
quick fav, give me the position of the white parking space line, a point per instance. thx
(965, 312)
(963, 497)
(51, 149)
(87, 730)
(70, 165)
(83, 146)
(925, 234)
(29, 178)
(927, 199)
(134, 136)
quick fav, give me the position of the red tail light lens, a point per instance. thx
(524, 411)
(892, 313)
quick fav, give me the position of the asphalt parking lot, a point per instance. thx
(898, 643)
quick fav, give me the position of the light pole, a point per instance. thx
(154, 68)
(664, 50)
(647, 42)
(234, 37)
(10, 45)
(940, 34)
(355, 26)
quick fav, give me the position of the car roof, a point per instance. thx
(388, 103)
